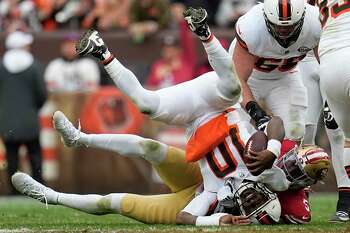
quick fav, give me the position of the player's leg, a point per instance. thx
(169, 162)
(309, 70)
(335, 84)
(180, 104)
(92, 44)
(288, 100)
(148, 209)
(295, 207)
(228, 84)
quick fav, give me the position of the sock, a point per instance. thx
(343, 203)
(127, 145)
(92, 203)
(310, 133)
(146, 101)
(219, 59)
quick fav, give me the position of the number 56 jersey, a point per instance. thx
(272, 58)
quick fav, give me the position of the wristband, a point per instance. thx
(212, 220)
(274, 146)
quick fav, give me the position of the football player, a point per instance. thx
(334, 50)
(271, 39)
(302, 167)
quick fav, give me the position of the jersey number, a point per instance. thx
(337, 9)
(283, 65)
(230, 162)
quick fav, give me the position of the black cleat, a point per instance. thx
(197, 21)
(92, 44)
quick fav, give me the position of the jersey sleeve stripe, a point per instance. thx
(240, 40)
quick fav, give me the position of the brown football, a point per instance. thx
(257, 142)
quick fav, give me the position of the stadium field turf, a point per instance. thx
(24, 215)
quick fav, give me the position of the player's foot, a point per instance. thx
(30, 187)
(92, 44)
(339, 217)
(197, 21)
(69, 134)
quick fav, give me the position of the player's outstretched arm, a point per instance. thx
(219, 219)
(92, 44)
(228, 85)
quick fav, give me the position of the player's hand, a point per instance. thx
(233, 220)
(260, 161)
(197, 22)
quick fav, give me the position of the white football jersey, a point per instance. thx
(335, 19)
(225, 160)
(252, 33)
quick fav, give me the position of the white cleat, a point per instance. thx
(31, 188)
(340, 217)
(69, 134)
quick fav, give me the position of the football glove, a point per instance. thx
(197, 22)
(258, 115)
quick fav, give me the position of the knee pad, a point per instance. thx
(295, 130)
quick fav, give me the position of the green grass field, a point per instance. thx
(24, 215)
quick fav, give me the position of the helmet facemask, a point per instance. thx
(285, 33)
(253, 199)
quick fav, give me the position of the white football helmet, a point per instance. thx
(257, 202)
(284, 19)
(304, 166)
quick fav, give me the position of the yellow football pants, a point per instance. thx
(181, 177)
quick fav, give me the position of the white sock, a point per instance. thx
(228, 84)
(336, 139)
(147, 101)
(92, 203)
(127, 145)
(310, 133)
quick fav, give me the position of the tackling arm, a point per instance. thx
(244, 63)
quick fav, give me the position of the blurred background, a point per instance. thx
(149, 37)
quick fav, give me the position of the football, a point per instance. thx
(257, 142)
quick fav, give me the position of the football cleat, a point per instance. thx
(339, 217)
(31, 188)
(69, 134)
(92, 44)
(197, 22)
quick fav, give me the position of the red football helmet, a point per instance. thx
(304, 166)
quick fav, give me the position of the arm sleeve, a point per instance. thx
(200, 205)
